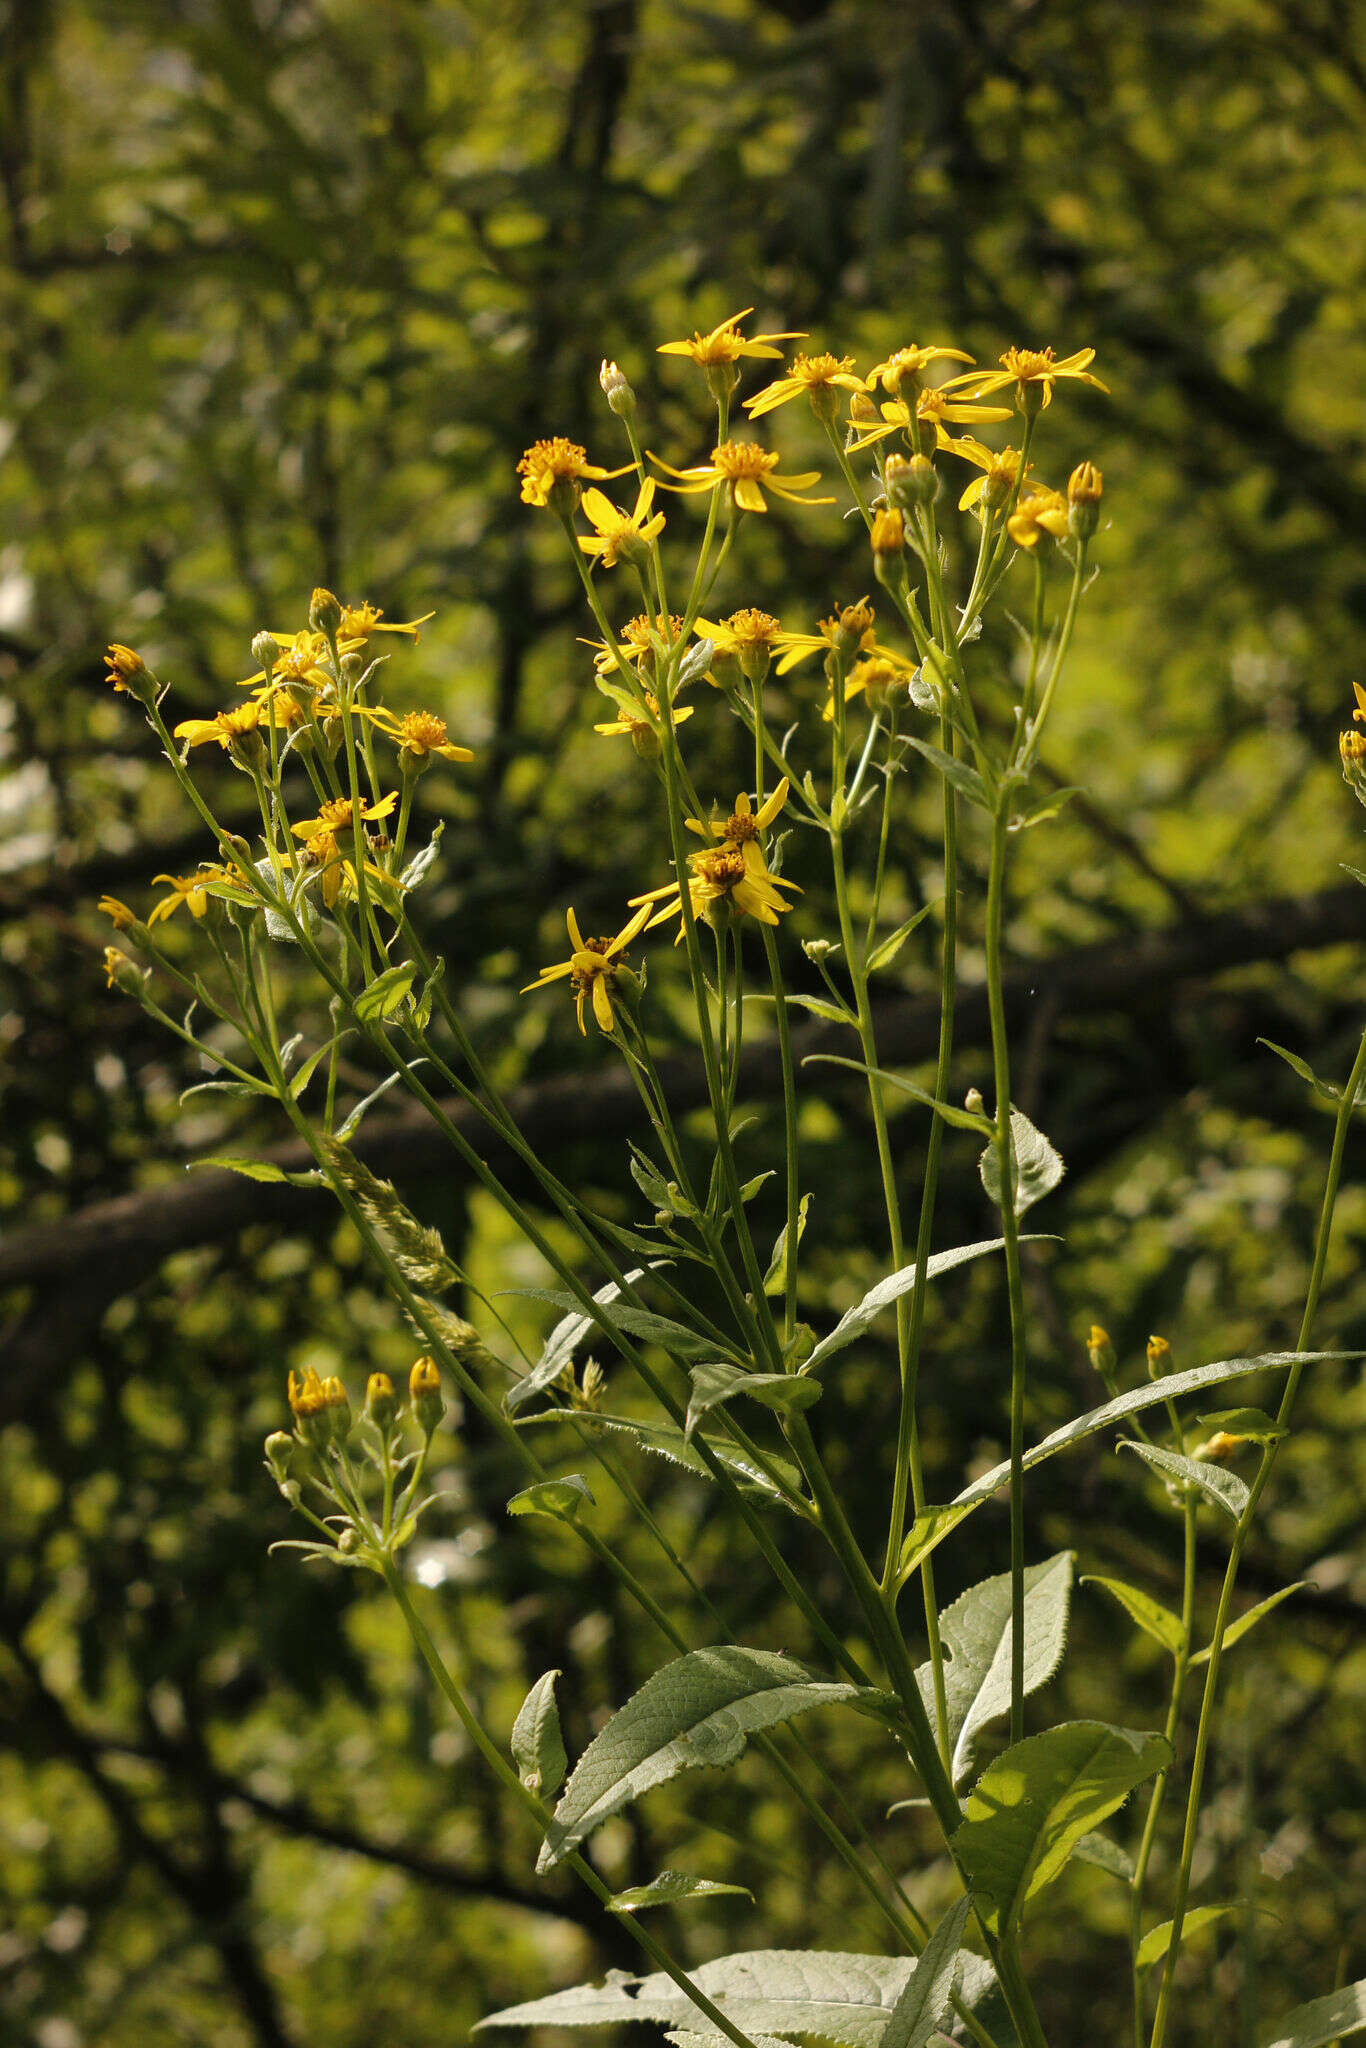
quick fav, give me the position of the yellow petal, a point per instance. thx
(748, 496)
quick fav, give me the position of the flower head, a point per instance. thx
(747, 471)
(621, 536)
(339, 813)
(819, 378)
(1034, 372)
(120, 916)
(359, 621)
(730, 872)
(1038, 511)
(846, 632)
(548, 463)
(637, 642)
(419, 734)
(923, 423)
(127, 670)
(725, 344)
(592, 967)
(873, 677)
(1000, 470)
(191, 890)
(642, 726)
(905, 365)
(228, 729)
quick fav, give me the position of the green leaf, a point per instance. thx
(633, 1322)
(386, 993)
(716, 1382)
(561, 1499)
(1245, 1623)
(1252, 1423)
(752, 1187)
(1171, 1388)
(1329, 1090)
(886, 950)
(1158, 1940)
(300, 1081)
(1105, 1855)
(961, 1119)
(363, 1108)
(819, 1006)
(975, 1632)
(1029, 1809)
(561, 1345)
(1038, 1168)
(775, 1279)
(845, 1999)
(924, 2002)
(699, 1709)
(1152, 1617)
(1323, 2020)
(259, 1169)
(537, 1744)
(1047, 808)
(421, 863)
(666, 1440)
(1225, 1489)
(926, 1533)
(671, 1888)
(963, 778)
(857, 1319)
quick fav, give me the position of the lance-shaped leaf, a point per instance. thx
(835, 1997)
(1038, 1168)
(924, 2002)
(561, 1345)
(888, 1290)
(886, 950)
(775, 1279)
(1225, 1489)
(1235, 1632)
(1169, 1389)
(1158, 1940)
(667, 1441)
(975, 1631)
(673, 1888)
(1105, 1855)
(1029, 1808)
(699, 1709)
(716, 1383)
(1323, 2020)
(560, 1499)
(1152, 1617)
(537, 1744)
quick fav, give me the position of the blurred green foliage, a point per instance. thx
(286, 287)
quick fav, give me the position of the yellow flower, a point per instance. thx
(724, 345)
(547, 463)
(1040, 510)
(643, 731)
(846, 632)
(225, 727)
(747, 471)
(191, 890)
(741, 633)
(924, 425)
(359, 621)
(871, 677)
(126, 668)
(1034, 372)
(298, 661)
(638, 642)
(999, 467)
(1359, 715)
(120, 916)
(338, 814)
(819, 377)
(905, 366)
(620, 536)
(592, 968)
(732, 868)
(418, 734)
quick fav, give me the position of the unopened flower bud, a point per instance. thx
(910, 480)
(280, 1447)
(337, 1409)
(1083, 499)
(973, 1101)
(120, 972)
(265, 648)
(1218, 1447)
(348, 1543)
(617, 391)
(817, 950)
(862, 411)
(1101, 1351)
(594, 1387)
(644, 740)
(1159, 1357)
(352, 667)
(887, 535)
(127, 670)
(381, 1402)
(424, 1392)
(1352, 748)
(799, 1347)
(324, 613)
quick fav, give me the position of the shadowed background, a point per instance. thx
(286, 288)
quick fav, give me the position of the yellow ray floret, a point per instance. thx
(339, 814)
(904, 366)
(725, 344)
(620, 536)
(1034, 372)
(417, 733)
(1039, 511)
(924, 423)
(819, 378)
(547, 463)
(1000, 469)
(592, 968)
(747, 471)
(191, 890)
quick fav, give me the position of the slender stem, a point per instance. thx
(1205, 1725)
(790, 1140)
(1145, 1847)
(1005, 1153)
(541, 1814)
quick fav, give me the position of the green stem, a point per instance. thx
(1205, 1725)
(1145, 1847)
